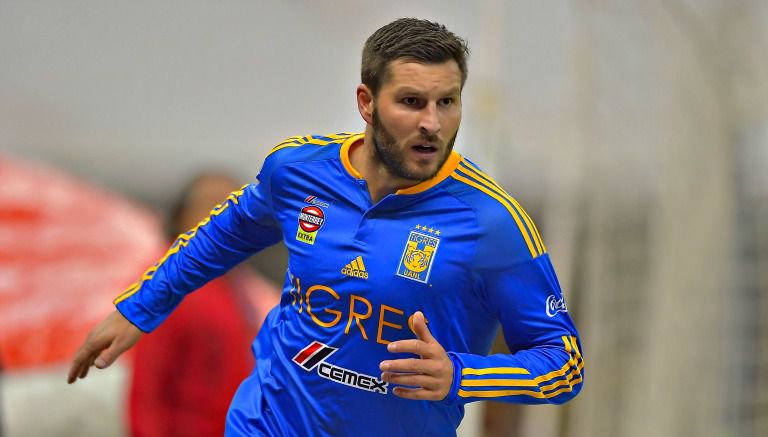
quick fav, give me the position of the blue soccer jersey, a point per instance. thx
(456, 247)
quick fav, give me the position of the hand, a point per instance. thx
(110, 338)
(431, 374)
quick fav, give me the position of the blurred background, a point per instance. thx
(634, 132)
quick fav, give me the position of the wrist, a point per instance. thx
(452, 395)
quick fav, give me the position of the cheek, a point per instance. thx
(452, 119)
(400, 123)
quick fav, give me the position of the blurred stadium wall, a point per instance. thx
(635, 133)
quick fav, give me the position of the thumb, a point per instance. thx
(121, 344)
(420, 327)
(107, 356)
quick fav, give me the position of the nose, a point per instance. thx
(429, 124)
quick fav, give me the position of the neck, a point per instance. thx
(380, 181)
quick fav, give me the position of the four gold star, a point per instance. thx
(428, 229)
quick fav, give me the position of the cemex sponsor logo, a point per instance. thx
(314, 356)
(555, 305)
(314, 201)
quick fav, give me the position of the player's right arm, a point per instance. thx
(235, 229)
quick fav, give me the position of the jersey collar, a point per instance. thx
(450, 165)
(345, 154)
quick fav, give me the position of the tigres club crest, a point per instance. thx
(419, 253)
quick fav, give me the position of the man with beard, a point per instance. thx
(404, 257)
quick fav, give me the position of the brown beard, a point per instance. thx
(386, 152)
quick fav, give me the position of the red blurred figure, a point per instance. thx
(181, 386)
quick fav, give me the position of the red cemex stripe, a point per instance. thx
(307, 352)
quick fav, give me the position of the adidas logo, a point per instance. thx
(355, 269)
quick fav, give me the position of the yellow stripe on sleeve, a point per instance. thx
(572, 364)
(297, 141)
(181, 241)
(531, 393)
(511, 210)
(484, 178)
(341, 136)
(571, 371)
(495, 371)
(498, 383)
(575, 345)
(569, 380)
(292, 144)
(520, 382)
(530, 222)
(499, 393)
(287, 141)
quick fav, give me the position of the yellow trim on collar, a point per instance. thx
(450, 165)
(345, 154)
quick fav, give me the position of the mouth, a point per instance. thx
(424, 149)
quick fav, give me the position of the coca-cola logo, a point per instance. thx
(555, 305)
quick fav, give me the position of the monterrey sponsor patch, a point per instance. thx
(311, 219)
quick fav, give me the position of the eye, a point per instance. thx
(445, 101)
(410, 101)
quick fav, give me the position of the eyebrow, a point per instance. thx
(410, 90)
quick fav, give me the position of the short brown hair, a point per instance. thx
(421, 40)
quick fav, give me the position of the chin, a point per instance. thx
(422, 174)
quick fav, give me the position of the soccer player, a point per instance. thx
(404, 257)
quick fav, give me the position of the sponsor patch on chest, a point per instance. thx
(313, 357)
(311, 219)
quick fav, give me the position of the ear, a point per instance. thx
(365, 103)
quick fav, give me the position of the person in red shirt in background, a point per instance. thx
(180, 385)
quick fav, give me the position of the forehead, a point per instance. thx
(406, 73)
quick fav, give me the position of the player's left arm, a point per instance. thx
(546, 365)
(517, 284)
